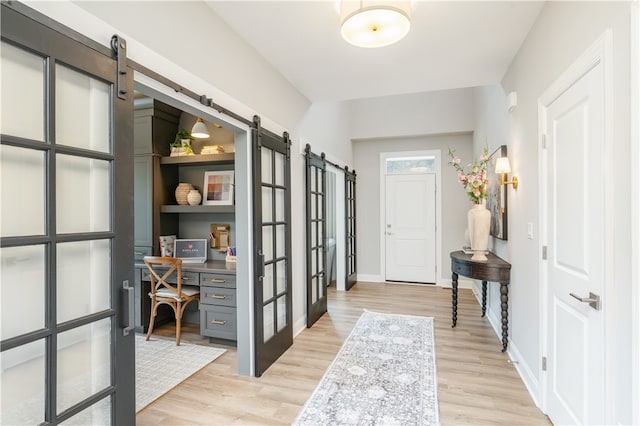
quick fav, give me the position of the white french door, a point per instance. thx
(410, 227)
(574, 191)
(65, 173)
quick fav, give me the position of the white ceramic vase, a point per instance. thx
(479, 221)
(194, 197)
(181, 193)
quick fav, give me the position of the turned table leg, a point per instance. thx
(454, 299)
(504, 298)
(484, 298)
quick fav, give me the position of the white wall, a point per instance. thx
(190, 34)
(324, 127)
(455, 203)
(444, 111)
(561, 33)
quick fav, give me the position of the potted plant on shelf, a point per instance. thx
(182, 144)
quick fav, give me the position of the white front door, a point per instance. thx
(574, 219)
(410, 229)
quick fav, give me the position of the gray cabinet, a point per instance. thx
(155, 127)
(218, 306)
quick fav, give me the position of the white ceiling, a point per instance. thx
(452, 44)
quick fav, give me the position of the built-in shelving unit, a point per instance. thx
(197, 209)
(194, 160)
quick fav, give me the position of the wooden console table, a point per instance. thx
(493, 269)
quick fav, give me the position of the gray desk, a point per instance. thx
(217, 281)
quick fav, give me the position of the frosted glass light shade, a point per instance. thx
(502, 165)
(200, 130)
(374, 23)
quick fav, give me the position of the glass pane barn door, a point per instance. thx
(58, 295)
(272, 237)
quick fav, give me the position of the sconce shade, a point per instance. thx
(200, 130)
(502, 165)
(370, 23)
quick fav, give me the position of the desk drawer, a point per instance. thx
(188, 278)
(218, 321)
(218, 296)
(218, 280)
(139, 252)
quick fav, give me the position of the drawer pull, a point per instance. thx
(215, 296)
(186, 278)
(138, 253)
(218, 322)
(216, 280)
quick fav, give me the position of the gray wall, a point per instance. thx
(563, 31)
(455, 203)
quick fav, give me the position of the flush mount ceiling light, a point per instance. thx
(370, 23)
(200, 130)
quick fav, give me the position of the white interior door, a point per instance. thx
(410, 229)
(575, 236)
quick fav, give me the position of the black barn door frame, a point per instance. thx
(350, 227)
(266, 353)
(317, 278)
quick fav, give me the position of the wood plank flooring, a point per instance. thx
(476, 384)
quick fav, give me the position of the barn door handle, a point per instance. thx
(593, 300)
(128, 308)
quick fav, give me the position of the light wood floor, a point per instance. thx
(476, 384)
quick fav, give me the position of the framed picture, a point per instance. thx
(497, 196)
(218, 188)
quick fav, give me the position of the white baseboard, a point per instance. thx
(299, 326)
(370, 278)
(524, 371)
(442, 282)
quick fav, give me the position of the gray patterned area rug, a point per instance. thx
(384, 374)
(161, 365)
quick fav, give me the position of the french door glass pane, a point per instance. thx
(281, 273)
(319, 203)
(313, 171)
(266, 155)
(267, 282)
(82, 110)
(281, 233)
(22, 273)
(282, 312)
(280, 168)
(98, 414)
(83, 278)
(22, 180)
(314, 290)
(267, 242)
(22, 81)
(84, 362)
(267, 318)
(280, 205)
(23, 384)
(267, 203)
(83, 194)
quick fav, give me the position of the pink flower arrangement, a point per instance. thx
(475, 181)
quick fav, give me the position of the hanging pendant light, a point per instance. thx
(371, 23)
(200, 130)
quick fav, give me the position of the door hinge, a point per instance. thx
(544, 363)
(119, 47)
(544, 252)
(544, 141)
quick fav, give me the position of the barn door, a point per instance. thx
(272, 237)
(317, 277)
(66, 257)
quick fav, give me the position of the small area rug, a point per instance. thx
(384, 374)
(161, 365)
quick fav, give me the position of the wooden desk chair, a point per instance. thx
(177, 296)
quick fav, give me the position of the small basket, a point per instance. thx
(230, 259)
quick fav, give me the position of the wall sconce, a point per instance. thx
(503, 167)
(200, 130)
